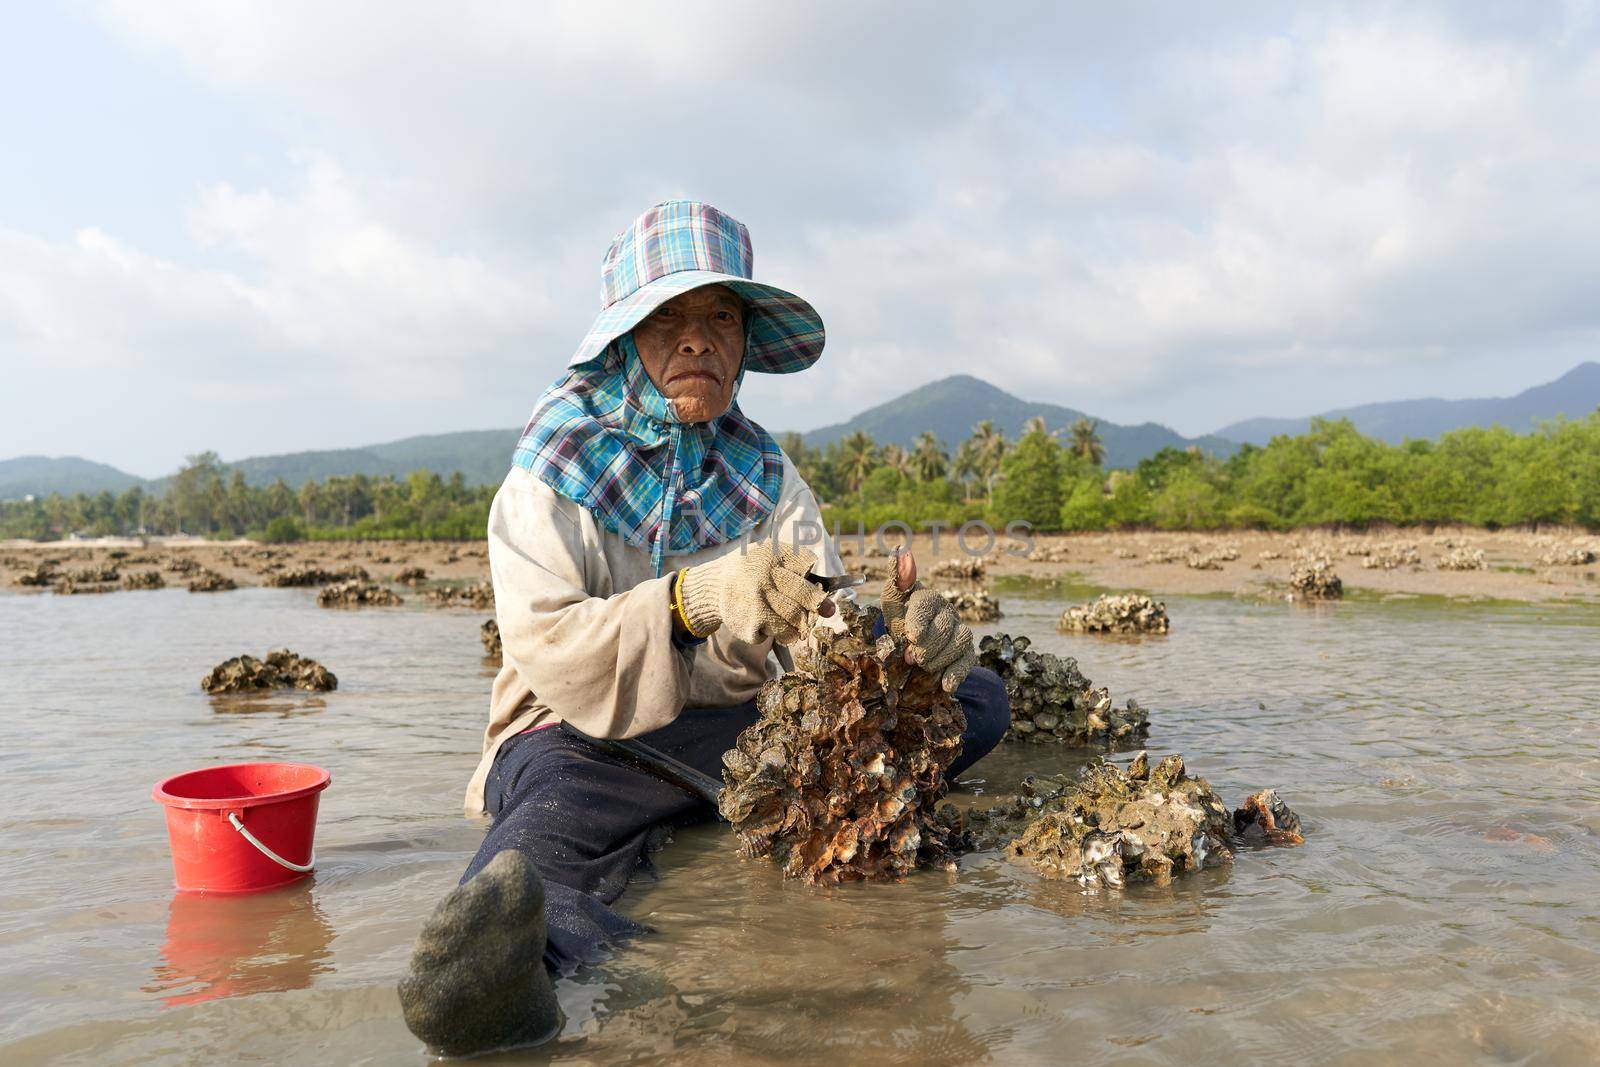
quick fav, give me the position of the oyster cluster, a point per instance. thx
(95, 575)
(204, 581)
(184, 565)
(1052, 701)
(1571, 556)
(1126, 614)
(1266, 820)
(1111, 826)
(1390, 555)
(1462, 559)
(971, 569)
(1049, 554)
(1313, 579)
(1162, 555)
(42, 574)
(412, 576)
(489, 635)
(478, 595)
(144, 580)
(308, 575)
(281, 669)
(358, 595)
(839, 778)
(973, 605)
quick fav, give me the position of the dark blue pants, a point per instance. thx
(588, 821)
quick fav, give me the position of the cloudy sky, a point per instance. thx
(269, 225)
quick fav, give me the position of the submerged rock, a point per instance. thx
(281, 669)
(489, 634)
(839, 778)
(1314, 579)
(479, 595)
(1462, 559)
(210, 582)
(973, 605)
(1052, 701)
(1126, 614)
(144, 580)
(358, 594)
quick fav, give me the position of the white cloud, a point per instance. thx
(1184, 217)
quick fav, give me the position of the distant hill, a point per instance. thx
(1574, 394)
(43, 475)
(951, 407)
(482, 457)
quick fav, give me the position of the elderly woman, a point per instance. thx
(649, 570)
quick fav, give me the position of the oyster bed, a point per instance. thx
(1126, 614)
(281, 669)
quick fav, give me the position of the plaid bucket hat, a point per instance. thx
(681, 245)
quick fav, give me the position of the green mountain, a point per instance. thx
(1575, 394)
(951, 407)
(482, 457)
(43, 475)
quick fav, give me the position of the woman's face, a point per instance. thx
(691, 347)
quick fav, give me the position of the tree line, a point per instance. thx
(1054, 479)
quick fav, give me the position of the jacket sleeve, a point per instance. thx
(606, 664)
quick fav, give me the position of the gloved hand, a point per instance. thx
(940, 642)
(757, 594)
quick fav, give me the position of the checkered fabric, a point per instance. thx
(604, 437)
(681, 245)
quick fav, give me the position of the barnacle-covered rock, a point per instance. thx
(1392, 554)
(973, 605)
(1313, 578)
(1462, 559)
(489, 634)
(1052, 701)
(1111, 826)
(479, 595)
(1571, 556)
(210, 582)
(969, 569)
(144, 580)
(281, 669)
(838, 779)
(357, 595)
(1127, 614)
(1266, 819)
(309, 575)
(412, 576)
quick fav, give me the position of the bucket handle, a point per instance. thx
(303, 868)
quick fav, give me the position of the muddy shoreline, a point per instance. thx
(1157, 563)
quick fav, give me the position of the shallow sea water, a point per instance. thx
(1445, 908)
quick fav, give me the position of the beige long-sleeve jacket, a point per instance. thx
(586, 626)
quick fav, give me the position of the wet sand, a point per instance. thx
(1150, 562)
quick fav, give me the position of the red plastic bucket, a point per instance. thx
(242, 827)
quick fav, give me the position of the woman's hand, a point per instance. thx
(757, 594)
(941, 643)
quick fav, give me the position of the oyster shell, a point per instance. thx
(281, 669)
(1127, 614)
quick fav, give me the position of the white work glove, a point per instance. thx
(941, 643)
(757, 594)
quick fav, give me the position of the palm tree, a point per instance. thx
(1035, 425)
(1086, 442)
(968, 465)
(991, 446)
(860, 455)
(895, 458)
(928, 458)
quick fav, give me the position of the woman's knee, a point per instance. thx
(986, 706)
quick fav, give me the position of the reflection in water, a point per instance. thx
(237, 944)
